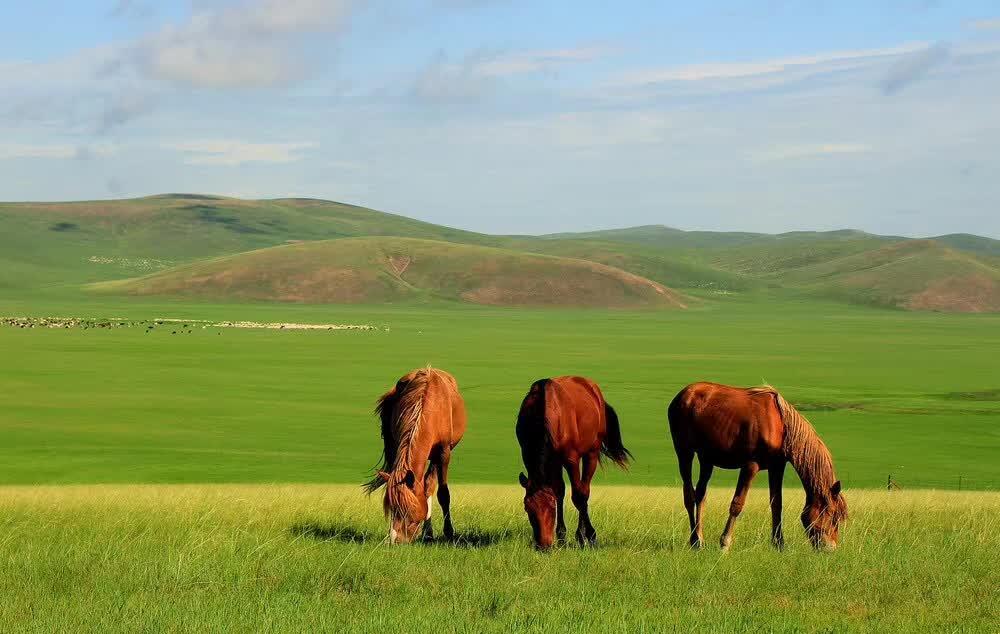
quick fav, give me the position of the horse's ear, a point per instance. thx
(410, 479)
(835, 489)
(523, 479)
(384, 476)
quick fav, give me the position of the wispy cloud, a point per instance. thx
(988, 24)
(814, 150)
(912, 67)
(41, 151)
(227, 152)
(741, 70)
(476, 74)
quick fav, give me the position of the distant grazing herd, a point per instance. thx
(565, 424)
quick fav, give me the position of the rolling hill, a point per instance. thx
(163, 239)
(58, 243)
(381, 269)
(915, 275)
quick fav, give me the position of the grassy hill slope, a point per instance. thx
(916, 275)
(64, 245)
(54, 243)
(383, 269)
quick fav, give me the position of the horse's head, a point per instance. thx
(822, 515)
(540, 504)
(405, 505)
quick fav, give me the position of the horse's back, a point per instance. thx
(575, 414)
(449, 406)
(728, 425)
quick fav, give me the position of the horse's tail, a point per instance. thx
(612, 446)
(399, 411)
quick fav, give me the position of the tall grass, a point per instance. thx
(313, 557)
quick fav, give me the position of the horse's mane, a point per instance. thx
(802, 446)
(400, 411)
(533, 432)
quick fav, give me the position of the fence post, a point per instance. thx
(888, 483)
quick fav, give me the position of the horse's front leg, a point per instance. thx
(775, 476)
(747, 474)
(700, 493)
(560, 490)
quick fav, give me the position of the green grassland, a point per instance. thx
(207, 479)
(914, 395)
(313, 558)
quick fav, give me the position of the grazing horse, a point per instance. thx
(564, 423)
(751, 429)
(422, 418)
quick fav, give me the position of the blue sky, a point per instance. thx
(510, 116)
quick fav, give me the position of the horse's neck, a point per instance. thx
(414, 458)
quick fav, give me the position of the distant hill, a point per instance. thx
(163, 239)
(668, 237)
(971, 243)
(915, 275)
(380, 269)
(97, 240)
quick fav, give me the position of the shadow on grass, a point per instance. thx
(345, 533)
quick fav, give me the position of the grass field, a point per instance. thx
(312, 558)
(913, 395)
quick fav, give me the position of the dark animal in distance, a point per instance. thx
(564, 424)
(754, 429)
(422, 420)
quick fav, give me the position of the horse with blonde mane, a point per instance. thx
(422, 420)
(754, 429)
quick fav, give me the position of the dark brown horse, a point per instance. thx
(751, 429)
(564, 423)
(423, 418)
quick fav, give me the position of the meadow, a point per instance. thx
(209, 481)
(913, 395)
(204, 558)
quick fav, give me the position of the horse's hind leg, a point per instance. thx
(684, 462)
(700, 493)
(444, 494)
(430, 483)
(747, 474)
(585, 532)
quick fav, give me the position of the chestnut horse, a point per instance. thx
(751, 429)
(423, 418)
(564, 423)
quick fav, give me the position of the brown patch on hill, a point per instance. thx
(969, 294)
(375, 270)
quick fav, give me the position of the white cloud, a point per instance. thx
(230, 152)
(252, 44)
(786, 152)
